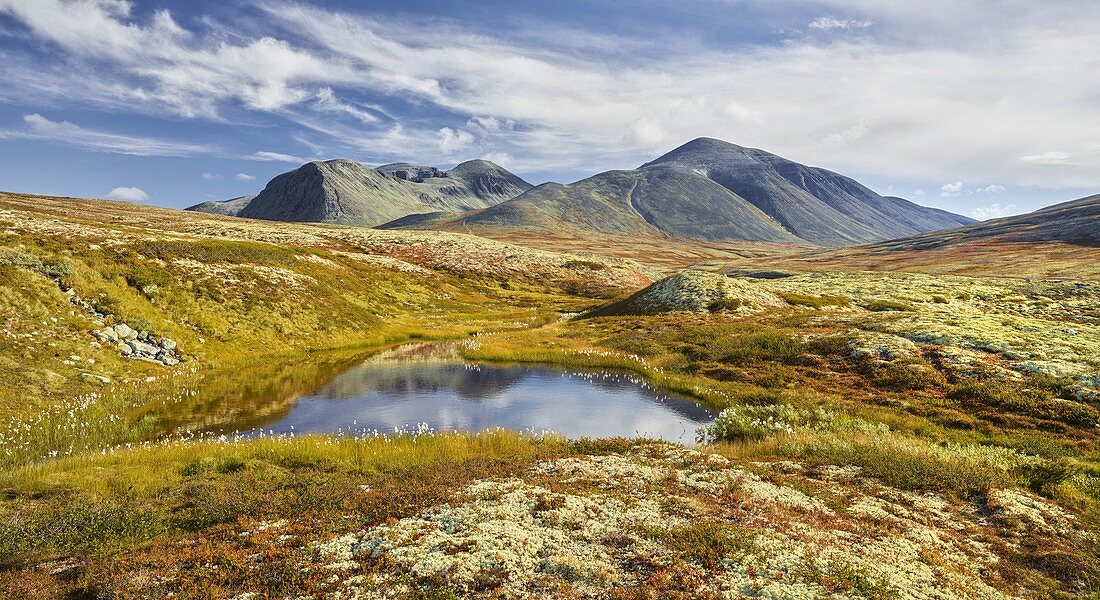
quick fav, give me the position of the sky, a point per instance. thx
(981, 107)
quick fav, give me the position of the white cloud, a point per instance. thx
(211, 176)
(327, 101)
(64, 132)
(1049, 158)
(450, 140)
(829, 23)
(500, 158)
(277, 157)
(934, 87)
(244, 177)
(993, 211)
(991, 189)
(130, 194)
(951, 189)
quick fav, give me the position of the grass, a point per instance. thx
(259, 308)
(95, 503)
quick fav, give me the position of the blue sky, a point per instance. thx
(984, 108)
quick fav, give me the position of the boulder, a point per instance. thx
(125, 332)
(143, 349)
(168, 344)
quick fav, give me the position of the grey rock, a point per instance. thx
(169, 361)
(142, 348)
(125, 332)
(168, 344)
(125, 349)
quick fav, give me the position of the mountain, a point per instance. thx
(1075, 222)
(715, 191)
(350, 193)
(230, 207)
(1059, 242)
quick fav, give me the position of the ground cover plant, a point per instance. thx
(878, 435)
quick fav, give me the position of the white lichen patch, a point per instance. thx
(1032, 512)
(577, 527)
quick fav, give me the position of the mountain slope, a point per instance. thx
(710, 190)
(1074, 222)
(231, 207)
(1060, 241)
(350, 193)
(815, 204)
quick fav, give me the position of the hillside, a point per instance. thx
(1057, 241)
(878, 434)
(231, 207)
(346, 192)
(713, 191)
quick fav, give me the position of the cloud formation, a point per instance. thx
(993, 211)
(828, 23)
(64, 132)
(951, 189)
(130, 194)
(923, 93)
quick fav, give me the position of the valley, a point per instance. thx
(940, 417)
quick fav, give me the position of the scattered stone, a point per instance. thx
(95, 378)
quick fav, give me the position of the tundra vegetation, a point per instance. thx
(908, 435)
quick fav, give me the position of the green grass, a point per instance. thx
(95, 503)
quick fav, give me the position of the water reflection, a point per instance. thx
(429, 384)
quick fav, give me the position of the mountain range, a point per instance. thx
(706, 189)
(350, 193)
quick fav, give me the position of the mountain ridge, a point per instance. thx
(710, 190)
(350, 193)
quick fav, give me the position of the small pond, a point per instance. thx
(429, 386)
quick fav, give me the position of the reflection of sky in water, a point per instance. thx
(456, 396)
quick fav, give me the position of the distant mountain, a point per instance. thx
(710, 190)
(1076, 222)
(350, 193)
(223, 207)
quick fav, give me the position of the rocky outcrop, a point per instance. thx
(139, 344)
(694, 291)
(130, 342)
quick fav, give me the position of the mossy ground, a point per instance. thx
(952, 435)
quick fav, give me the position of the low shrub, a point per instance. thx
(797, 299)
(587, 265)
(887, 305)
(725, 304)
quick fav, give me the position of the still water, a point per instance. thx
(428, 386)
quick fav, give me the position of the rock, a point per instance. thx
(96, 378)
(125, 332)
(169, 361)
(168, 344)
(125, 349)
(143, 349)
